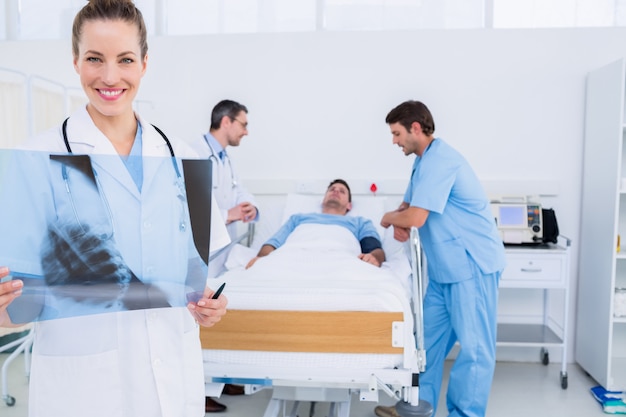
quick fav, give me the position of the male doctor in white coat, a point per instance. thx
(229, 124)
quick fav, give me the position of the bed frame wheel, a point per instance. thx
(10, 401)
(422, 409)
(564, 380)
(545, 356)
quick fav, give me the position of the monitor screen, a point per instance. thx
(513, 216)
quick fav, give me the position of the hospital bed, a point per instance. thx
(322, 339)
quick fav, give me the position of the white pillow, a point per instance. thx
(370, 207)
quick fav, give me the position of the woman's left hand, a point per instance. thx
(208, 311)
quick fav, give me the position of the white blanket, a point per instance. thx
(318, 269)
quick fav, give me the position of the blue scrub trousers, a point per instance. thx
(466, 312)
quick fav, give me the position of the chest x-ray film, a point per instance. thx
(85, 240)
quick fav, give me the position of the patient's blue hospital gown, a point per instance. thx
(360, 227)
(465, 260)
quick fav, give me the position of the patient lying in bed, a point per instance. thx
(335, 205)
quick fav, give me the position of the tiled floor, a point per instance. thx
(519, 389)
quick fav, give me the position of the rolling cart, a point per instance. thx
(544, 267)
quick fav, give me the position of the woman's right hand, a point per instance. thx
(9, 291)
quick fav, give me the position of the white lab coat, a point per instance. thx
(227, 191)
(128, 363)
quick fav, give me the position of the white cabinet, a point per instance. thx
(544, 267)
(536, 267)
(600, 335)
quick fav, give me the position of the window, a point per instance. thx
(402, 14)
(192, 17)
(42, 19)
(558, 13)
(45, 19)
(3, 20)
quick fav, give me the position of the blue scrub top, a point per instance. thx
(460, 229)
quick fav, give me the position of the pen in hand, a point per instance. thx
(218, 292)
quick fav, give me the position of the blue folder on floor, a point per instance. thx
(612, 401)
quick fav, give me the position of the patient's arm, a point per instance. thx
(264, 251)
(375, 257)
(371, 250)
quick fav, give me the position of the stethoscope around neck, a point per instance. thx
(216, 162)
(179, 182)
(167, 142)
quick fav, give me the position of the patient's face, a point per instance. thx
(337, 198)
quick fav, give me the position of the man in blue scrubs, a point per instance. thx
(465, 255)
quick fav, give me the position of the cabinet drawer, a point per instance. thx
(533, 272)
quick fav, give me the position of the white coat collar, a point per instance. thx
(85, 138)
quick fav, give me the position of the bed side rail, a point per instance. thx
(417, 266)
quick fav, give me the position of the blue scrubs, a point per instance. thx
(465, 260)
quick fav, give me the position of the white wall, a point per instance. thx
(511, 101)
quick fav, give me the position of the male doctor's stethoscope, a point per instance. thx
(216, 161)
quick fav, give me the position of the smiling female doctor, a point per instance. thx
(144, 362)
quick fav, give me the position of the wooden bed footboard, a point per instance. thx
(304, 331)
